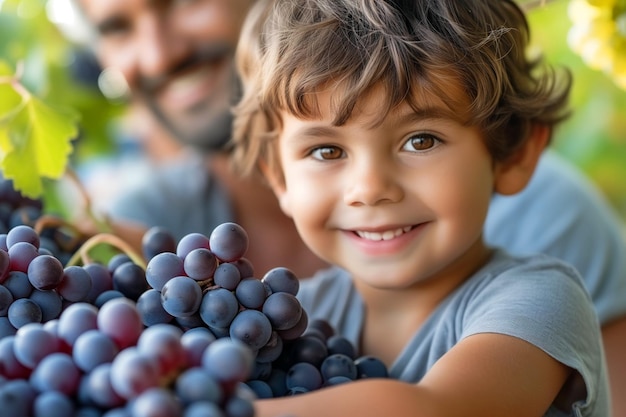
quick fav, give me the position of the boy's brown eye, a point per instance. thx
(421, 143)
(326, 153)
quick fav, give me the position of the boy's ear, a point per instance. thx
(277, 184)
(514, 173)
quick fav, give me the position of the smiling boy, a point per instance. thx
(384, 128)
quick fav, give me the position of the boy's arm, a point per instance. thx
(484, 375)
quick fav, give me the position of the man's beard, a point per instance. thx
(214, 132)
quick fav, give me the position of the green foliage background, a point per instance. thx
(594, 138)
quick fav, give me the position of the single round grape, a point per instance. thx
(181, 296)
(120, 319)
(200, 264)
(56, 372)
(32, 343)
(17, 282)
(157, 240)
(45, 272)
(370, 367)
(53, 404)
(93, 348)
(227, 276)
(309, 349)
(49, 302)
(251, 293)
(282, 279)
(162, 267)
(219, 307)
(338, 364)
(190, 242)
(261, 388)
(161, 342)
(228, 241)
(21, 255)
(252, 328)
(130, 279)
(305, 375)
(24, 311)
(76, 319)
(340, 344)
(196, 384)
(16, 398)
(22, 233)
(228, 360)
(283, 310)
(272, 349)
(99, 388)
(133, 373)
(151, 310)
(75, 285)
(194, 343)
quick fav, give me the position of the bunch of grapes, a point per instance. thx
(195, 333)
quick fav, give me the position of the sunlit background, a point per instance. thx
(48, 38)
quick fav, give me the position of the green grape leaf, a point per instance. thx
(35, 142)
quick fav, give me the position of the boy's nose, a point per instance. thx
(371, 184)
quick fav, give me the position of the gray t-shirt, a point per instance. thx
(538, 299)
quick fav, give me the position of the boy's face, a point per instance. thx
(177, 56)
(394, 204)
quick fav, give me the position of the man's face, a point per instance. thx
(176, 56)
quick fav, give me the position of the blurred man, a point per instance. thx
(176, 57)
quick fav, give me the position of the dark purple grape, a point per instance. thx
(21, 254)
(251, 293)
(75, 285)
(22, 233)
(227, 276)
(130, 279)
(190, 242)
(228, 241)
(196, 384)
(252, 328)
(163, 267)
(218, 307)
(157, 240)
(181, 296)
(49, 302)
(370, 367)
(282, 279)
(151, 310)
(305, 375)
(24, 311)
(45, 272)
(200, 264)
(283, 310)
(340, 344)
(338, 364)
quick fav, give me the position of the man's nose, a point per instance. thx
(159, 47)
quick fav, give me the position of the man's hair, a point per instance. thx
(290, 50)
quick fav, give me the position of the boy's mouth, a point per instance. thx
(386, 235)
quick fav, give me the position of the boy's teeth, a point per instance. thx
(386, 235)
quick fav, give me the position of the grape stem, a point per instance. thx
(82, 254)
(50, 221)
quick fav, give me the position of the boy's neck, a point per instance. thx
(396, 315)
